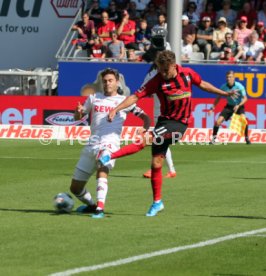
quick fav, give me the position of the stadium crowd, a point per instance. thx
(228, 31)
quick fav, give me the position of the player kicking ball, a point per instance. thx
(104, 137)
(173, 86)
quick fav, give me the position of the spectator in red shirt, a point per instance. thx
(85, 29)
(105, 27)
(173, 86)
(126, 31)
(251, 15)
(227, 57)
(97, 50)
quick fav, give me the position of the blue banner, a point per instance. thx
(73, 75)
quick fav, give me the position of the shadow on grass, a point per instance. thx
(51, 212)
(225, 216)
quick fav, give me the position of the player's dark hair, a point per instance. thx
(110, 71)
(165, 57)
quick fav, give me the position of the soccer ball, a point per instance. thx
(63, 203)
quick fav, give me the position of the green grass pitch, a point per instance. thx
(219, 190)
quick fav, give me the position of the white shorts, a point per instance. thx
(87, 163)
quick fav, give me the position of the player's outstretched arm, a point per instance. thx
(126, 103)
(78, 112)
(204, 85)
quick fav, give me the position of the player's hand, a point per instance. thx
(111, 115)
(236, 107)
(79, 108)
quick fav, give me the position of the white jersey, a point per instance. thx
(99, 106)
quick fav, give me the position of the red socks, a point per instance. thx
(128, 150)
(156, 182)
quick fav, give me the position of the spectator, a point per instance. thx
(200, 5)
(241, 33)
(95, 12)
(97, 50)
(188, 28)
(132, 57)
(253, 50)
(113, 12)
(227, 13)
(209, 12)
(126, 32)
(237, 4)
(85, 29)
(161, 21)
(143, 36)
(141, 4)
(250, 14)
(236, 49)
(115, 48)
(151, 15)
(262, 13)
(204, 38)
(104, 4)
(105, 27)
(191, 13)
(122, 4)
(227, 57)
(261, 30)
(133, 13)
(187, 48)
(219, 34)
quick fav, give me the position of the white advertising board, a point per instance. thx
(31, 31)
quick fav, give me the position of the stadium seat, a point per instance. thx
(80, 54)
(196, 57)
(215, 55)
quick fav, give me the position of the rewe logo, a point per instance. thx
(66, 8)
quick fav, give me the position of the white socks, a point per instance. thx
(102, 188)
(169, 161)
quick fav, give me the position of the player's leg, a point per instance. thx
(102, 184)
(101, 191)
(84, 169)
(170, 164)
(105, 156)
(166, 132)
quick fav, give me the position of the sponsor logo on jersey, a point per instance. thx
(179, 95)
(103, 108)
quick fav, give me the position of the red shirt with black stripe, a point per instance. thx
(174, 94)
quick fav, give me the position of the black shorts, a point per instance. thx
(165, 133)
(228, 111)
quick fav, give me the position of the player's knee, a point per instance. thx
(157, 162)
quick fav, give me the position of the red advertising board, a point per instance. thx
(38, 110)
(42, 110)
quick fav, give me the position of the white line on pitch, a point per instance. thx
(157, 253)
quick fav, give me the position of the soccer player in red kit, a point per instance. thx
(173, 86)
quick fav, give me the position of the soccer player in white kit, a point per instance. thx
(104, 136)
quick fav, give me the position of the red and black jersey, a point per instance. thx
(174, 94)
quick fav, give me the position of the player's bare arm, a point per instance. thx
(146, 122)
(126, 103)
(78, 112)
(204, 85)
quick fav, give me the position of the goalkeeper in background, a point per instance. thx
(234, 105)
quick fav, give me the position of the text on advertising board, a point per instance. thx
(66, 8)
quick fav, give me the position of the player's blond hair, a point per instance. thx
(165, 58)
